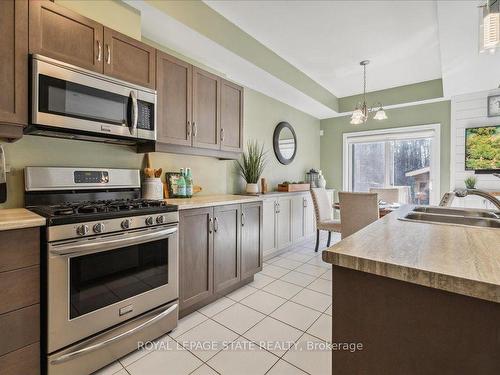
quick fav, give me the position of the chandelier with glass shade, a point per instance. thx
(361, 112)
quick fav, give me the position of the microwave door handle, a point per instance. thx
(135, 112)
(92, 246)
(100, 345)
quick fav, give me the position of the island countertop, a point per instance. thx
(211, 200)
(458, 259)
(17, 218)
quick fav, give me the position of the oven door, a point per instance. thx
(81, 102)
(96, 283)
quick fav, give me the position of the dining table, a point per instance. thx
(383, 208)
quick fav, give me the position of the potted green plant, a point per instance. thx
(252, 165)
(470, 182)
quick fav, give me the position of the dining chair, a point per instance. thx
(388, 195)
(357, 210)
(322, 210)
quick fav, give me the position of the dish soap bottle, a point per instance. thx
(189, 183)
(181, 185)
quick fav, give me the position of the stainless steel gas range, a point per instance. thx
(109, 264)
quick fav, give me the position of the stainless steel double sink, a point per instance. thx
(454, 216)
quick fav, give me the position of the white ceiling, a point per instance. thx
(406, 41)
(327, 39)
(167, 31)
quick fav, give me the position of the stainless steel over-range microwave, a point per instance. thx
(70, 102)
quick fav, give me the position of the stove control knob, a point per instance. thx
(149, 220)
(126, 224)
(82, 230)
(98, 228)
(160, 219)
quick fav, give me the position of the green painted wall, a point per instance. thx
(396, 95)
(334, 128)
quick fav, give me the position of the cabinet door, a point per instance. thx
(226, 246)
(298, 217)
(269, 232)
(251, 239)
(284, 222)
(309, 216)
(13, 64)
(195, 256)
(206, 100)
(231, 116)
(129, 59)
(173, 83)
(65, 35)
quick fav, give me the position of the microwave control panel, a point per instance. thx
(145, 115)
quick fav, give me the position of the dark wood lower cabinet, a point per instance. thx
(218, 252)
(251, 239)
(226, 246)
(195, 256)
(25, 361)
(19, 306)
(407, 328)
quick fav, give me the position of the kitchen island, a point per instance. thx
(420, 298)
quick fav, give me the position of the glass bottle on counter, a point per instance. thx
(189, 183)
(181, 185)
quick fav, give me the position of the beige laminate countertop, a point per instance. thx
(211, 200)
(17, 218)
(458, 259)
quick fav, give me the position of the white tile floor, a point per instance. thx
(288, 305)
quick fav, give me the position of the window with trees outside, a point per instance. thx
(404, 158)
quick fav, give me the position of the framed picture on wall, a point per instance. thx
(493, 105)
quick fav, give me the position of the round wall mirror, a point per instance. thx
(284, 143)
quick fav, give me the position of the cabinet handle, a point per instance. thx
(108, 54)
(99, 50)
(278, 209)
(216, 225)
(242, 219)
(195, 129)
(189, 129)
(305, 202)
(222, 135)
(210, 225)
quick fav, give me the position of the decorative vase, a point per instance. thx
(252, 188)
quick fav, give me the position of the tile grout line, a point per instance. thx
(260, 320)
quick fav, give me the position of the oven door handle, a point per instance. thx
(92, 246)
(100, 345)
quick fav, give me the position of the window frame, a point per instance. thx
(383, 135)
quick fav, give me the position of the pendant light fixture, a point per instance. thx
(361, 112)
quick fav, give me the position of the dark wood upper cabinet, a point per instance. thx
(206, 108)
(174, 87)
(251, 239)
(65, 35)
(13, 68)
(195, 256)
(226, 246)
(231, 116)
(128, 59)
